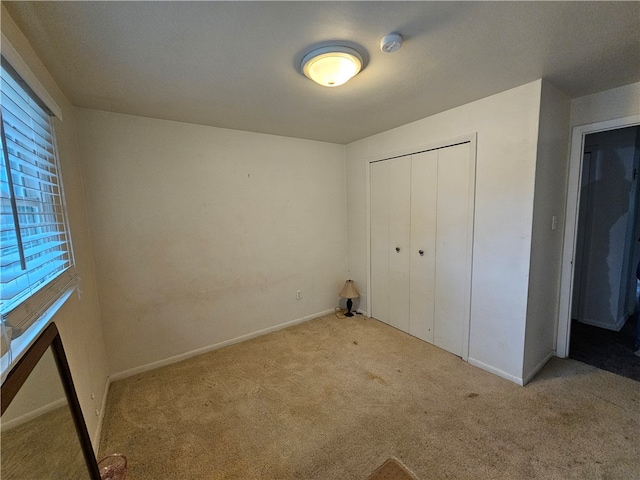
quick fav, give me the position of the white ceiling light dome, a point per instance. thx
(332, 65)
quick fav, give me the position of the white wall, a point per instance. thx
(79, 319)
(507, 129)
(546, 248)
(608, 105)
(203, 235)
(40, 393)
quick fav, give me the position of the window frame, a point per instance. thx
(39, 296)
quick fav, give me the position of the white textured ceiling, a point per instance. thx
(236, 64)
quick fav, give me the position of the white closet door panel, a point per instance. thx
(399, 241)
(379, 182)
(453, 235)
(424, 187)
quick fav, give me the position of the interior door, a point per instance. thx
(453, 241)
(424, 191)
(379, 183)
(421, 236)
(390, 241)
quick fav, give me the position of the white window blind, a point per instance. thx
(36, 258)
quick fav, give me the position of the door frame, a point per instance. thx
(470, 138)
(578, 135)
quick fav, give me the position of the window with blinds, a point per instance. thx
(35, 247)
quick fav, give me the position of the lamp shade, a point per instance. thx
(349, 290)
(332, 66)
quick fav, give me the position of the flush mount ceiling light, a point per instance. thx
(332, 65)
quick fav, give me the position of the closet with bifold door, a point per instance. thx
(422, 208)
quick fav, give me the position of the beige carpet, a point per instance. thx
(44, 448)
(334, 398)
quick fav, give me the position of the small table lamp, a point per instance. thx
(349, 291)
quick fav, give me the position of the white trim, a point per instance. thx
(571, 222)
(537, 368)
(607, 326)
(95, 440)
(21, 67)
(183, 356)
(14, 422)
(471, 221)
(495, 371)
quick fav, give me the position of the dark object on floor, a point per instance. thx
(606, 349)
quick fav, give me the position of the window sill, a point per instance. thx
(21, 344)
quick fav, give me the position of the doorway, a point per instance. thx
(607, 231)
(571, 223)
(607, 252)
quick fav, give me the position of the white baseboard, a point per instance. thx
(536, 369)
(95, 440)
(14, 422)
(199, 351)
(606, 325)
(495, 371)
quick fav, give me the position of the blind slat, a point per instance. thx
(11, 291)
(35, 193)
(22, 121)
(16, 94)
(27, 239)
(29, 178)
(8, 276)
(28, 139)
(27, 226)
(14, 123)
(29, 158)
(14, 258)
(27, 142)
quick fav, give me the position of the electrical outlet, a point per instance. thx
(298, 294)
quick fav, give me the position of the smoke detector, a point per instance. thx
(391, 43)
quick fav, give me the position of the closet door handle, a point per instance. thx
(421, 252)
(398, 249)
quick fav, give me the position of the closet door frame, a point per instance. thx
(470, 138)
